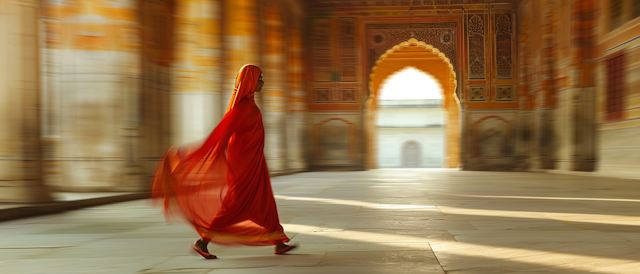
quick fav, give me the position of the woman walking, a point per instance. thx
(222, 187)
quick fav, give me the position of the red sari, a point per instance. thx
(222, 187)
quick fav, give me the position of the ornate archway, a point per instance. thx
(430, 60)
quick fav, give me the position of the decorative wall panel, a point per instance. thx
(476, 33)
(504, 93)
(322, 57)
(348, 95)
(381, 37)
(503, 46)
(492, 134)
(323, 95)
(493, 137)
(335, 138)
(348, 50)
(325, 4)
(477, 93)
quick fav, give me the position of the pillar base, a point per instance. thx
(25, 194)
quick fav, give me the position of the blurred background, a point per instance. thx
(92, 92)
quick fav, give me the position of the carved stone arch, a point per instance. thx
(411, 42)
(442, 69)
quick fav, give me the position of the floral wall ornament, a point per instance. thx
(384, 36)
(445, 38)
(503, 46)
(477, 93)
(475, 29)
(504, 93)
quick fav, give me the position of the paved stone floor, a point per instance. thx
(379, 221)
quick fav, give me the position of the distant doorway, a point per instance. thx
(411, 154)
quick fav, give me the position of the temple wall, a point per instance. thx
(618, 145)
(568, 48)
(528, 84)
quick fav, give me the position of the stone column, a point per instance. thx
(196, 103)
(296, 118)
(51, 54)
(464, 154)
(548, 138)
(156, 17)
(20, 160)
(524, 122)
(274, 98)
(92, 96)
(452, 130)
(583, 85)
(240, 42)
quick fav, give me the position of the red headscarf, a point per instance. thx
(246, 83)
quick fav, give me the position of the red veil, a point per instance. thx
(222, 187)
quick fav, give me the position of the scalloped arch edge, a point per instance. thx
(414, 42)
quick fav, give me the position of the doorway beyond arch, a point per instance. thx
(411, 154)
(430, 60)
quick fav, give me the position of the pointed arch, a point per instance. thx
(434, 63)
(412, 43)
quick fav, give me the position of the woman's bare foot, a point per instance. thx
(200, 247)
(283, 248)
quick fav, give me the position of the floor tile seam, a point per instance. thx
(436, 257)
(36, 248)
(628, 243)
(257, 267)
(81, 243)
(295, 185)
(160, 263)
(539, 253)
(55, 207)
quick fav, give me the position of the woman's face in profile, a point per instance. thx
(260, 84)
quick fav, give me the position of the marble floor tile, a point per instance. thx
(420, 258)
(333, 269)
(240, 261)
(7, 254)
(48, 240)
(376, 221)
(116, 248)
(81, 265)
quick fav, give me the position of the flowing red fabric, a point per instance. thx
(222, 187)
